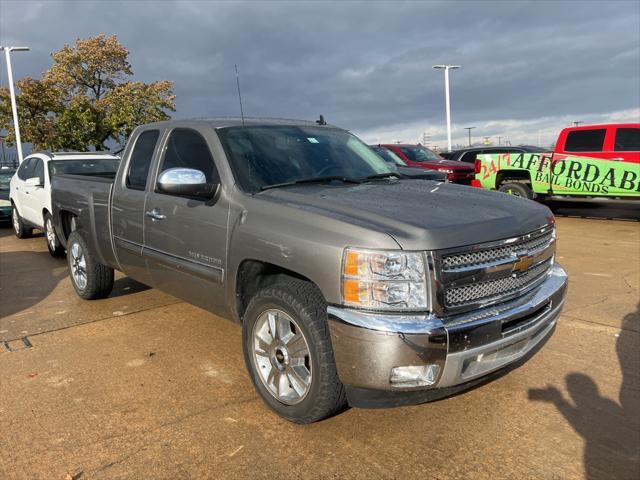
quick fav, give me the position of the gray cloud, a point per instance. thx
(366, 66)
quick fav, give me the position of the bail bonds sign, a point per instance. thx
(563, 175)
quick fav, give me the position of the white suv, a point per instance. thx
(30, 188)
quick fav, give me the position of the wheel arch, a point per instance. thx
(253, 275)
(518, 176)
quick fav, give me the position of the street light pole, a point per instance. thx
(12, 94)
(446, 69)
(469, 130)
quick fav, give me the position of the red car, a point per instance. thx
(421, 157)
(619, 142)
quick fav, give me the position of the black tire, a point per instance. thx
(517, 189)
(19, 227)
(303, 302)
(53, 244)
(98, 278)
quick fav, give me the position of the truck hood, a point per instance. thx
(419, 214)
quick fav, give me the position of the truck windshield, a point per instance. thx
(102, 166)
(419, 153)
(261, 156)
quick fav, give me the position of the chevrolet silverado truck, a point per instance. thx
(591, 163)
(351, 284)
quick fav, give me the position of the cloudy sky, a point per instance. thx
(528, 68)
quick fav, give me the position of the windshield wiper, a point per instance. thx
(312, 180)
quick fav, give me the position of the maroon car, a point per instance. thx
(421, 157)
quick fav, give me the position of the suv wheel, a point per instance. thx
(517, 189)
(287, 350)
(90, 279)
(19, 227)
(55, 249)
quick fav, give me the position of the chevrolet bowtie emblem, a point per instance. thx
(522, 264)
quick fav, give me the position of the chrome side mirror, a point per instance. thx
(186, 182)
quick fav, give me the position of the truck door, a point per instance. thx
(128, 201)
(185, 238)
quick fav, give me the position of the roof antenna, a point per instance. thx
(239, 94)
(321, 120)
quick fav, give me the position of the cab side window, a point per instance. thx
(186, 148)
(141, 158)
(627, 140)
(585, 140)
(26, 168)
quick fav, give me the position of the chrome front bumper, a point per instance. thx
(465, 347)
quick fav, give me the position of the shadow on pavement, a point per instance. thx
(17, 289)
(611, 430)
(127, 286)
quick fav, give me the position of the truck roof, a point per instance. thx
(221, 122)
(84, 155)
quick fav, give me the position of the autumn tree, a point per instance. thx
(86, 99)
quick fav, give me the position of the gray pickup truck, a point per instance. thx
(352, 284)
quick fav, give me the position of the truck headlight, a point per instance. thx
(384, 280)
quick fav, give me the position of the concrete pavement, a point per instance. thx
(141, 385)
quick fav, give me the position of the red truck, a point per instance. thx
(421, 157)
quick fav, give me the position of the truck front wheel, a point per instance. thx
(517, 189)
(287, 350)
(90, 279)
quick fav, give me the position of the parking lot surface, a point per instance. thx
(142, 385)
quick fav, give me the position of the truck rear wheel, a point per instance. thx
(53, 244)
(287, 350)
(90, 279)
(517, 189)
(19, 228)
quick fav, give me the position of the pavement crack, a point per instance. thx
(110, 317)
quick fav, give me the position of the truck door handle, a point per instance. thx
(155, 215)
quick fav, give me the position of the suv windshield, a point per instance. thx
(103, 166)
(5, 178)
(418, 153)
(262, 156)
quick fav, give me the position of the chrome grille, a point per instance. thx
(484, 291)
(479, 257)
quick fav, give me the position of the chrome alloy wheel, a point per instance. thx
(281, 355)
(78, 266)
(16, 220)
(51, 234)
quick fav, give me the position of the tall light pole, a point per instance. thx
(446, 69)
(12, 94)
(469, 130)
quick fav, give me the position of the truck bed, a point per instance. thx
(82, 202)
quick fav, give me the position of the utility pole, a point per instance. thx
(577, 124)
(12, 94)
(468, 129)
(499, 138)
(446, 69)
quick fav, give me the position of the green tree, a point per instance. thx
(85, 99)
